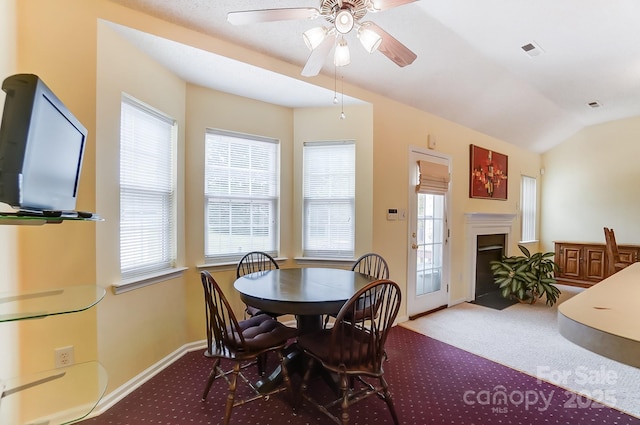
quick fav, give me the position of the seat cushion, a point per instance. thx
(354, 353)
(254, 311)
(261, 332)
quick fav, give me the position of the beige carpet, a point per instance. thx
(526, 338)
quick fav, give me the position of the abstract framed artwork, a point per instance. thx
(488, 175)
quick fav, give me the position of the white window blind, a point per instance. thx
(528, 203)
(147, 190)
(329, 199)
(242, 195)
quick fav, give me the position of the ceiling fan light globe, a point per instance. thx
(344, 21)
(341, 56)
(375, 6)
(369, 39)
(314, 36)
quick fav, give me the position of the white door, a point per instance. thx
(428, 271)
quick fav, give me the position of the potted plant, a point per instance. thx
(527, 277)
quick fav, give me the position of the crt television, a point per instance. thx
(41, 148)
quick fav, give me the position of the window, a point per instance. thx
(329, 199)
(242, 195)
(528, 207)
(147, 190)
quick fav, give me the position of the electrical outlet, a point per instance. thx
(64, 356)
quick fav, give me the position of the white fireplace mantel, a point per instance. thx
(489, 218)
(477, 223)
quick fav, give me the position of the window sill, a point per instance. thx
(325, 261)
(228, 265)
(299, 260)
(142, 281)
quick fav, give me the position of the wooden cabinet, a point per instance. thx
(585, 264)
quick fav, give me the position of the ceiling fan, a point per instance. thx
(343, 17)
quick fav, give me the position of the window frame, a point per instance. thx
(272, 201)
(163, 264)
(307, 201)
(529, 209)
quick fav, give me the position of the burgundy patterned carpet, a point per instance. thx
(431, 382)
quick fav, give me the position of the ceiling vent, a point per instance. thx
(532, 49)
(594, 104)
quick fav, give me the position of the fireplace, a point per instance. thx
(488, 248)
(479, 224)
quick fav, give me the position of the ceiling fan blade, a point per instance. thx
(378, 5)
(268, 15)
(392, 48)
(318, 56)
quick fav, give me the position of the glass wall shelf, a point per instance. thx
(38, 220)
(58, 396)
(33, 305)
(63, 395)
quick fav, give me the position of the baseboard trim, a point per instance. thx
(128, 387)
(424, 313)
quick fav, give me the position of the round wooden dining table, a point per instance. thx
(307, 293)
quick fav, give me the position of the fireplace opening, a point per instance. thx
(489, 248)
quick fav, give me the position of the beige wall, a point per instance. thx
(139, 327)
(89, 65)
(396, 127)
(55, 256)
(207, 108)
(8, 234)
(590, 182)
(8, 66)
(323, 124)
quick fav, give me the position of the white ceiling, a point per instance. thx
(470, 67)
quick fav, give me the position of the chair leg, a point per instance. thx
(388, 400)
(305, 382)
(261, 361)
(285, 377)
(233, 383)
(345, 385)
(212, 377)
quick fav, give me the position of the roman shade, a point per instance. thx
(434, 178)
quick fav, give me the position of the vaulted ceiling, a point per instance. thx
(470, 67)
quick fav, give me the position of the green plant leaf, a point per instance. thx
(506, 293)
(527, 277)
(524, 250)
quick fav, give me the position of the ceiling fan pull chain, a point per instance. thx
(342, 115)
(335, 84)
